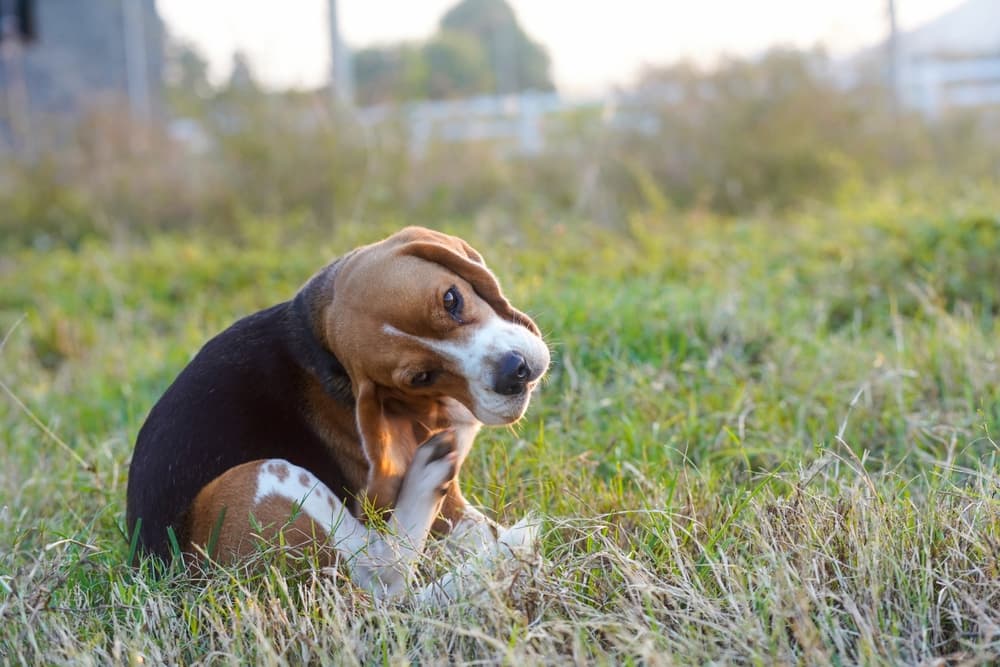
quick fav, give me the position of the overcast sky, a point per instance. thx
(594, 44)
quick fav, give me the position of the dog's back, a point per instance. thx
(240, 399)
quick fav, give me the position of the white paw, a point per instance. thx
(520, 538)
(508, 557)
(434, 466)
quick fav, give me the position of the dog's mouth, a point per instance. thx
(515, 376)
(499, 409)
(491, 417)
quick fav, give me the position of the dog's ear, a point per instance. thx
(464, 261)
(388, 441)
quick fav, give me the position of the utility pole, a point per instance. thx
(341, 79)
(136, 58)
(892, 46)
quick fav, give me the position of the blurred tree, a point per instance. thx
(185, 78)
(516, 61)
(455, 66)
(479, 48)
(241, 77)
(377, 74)
(389, 73)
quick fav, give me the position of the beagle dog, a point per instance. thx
(364, 391)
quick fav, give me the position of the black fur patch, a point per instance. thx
(241, 398)
(314, 356)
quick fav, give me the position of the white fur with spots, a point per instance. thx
(280, 478)
(380, 562)
(384, 563)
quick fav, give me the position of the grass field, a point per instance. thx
(760, 442)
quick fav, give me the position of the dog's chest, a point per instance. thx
(335, 425)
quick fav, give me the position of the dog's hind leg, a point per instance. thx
(284, 498)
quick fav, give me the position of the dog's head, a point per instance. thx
(419, 321)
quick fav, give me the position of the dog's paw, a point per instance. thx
(435, 463)
(506, 561)
(521, 538)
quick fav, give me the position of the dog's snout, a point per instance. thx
(513, 374)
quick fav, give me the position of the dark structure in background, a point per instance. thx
(17, 20)
(58, 58)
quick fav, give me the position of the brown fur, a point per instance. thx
(231, 498)
(400, 281)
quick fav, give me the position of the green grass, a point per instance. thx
(760, 441)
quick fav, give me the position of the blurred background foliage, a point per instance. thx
(761, 137)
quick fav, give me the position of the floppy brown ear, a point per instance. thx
(472, 269)
(471, 252)
(388, 442)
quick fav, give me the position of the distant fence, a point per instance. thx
(933, 84)
(516, 121)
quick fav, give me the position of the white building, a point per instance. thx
(953, 61)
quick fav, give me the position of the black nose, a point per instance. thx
(513, 374)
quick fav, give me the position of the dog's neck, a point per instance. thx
(309, 348)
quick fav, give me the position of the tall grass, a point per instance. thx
(761, 441)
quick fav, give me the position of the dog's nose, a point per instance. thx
(513, 374)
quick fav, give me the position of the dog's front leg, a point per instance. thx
(458, 520)
(467, 530)
(387, 563)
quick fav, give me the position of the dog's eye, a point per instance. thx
(423, 379)
(452, 301)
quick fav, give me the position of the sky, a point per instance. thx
(594, 44)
